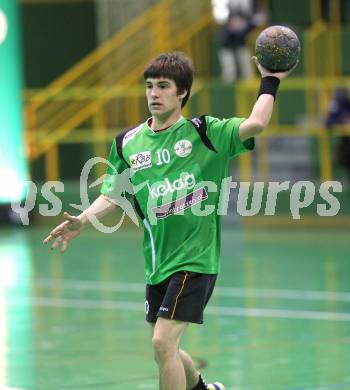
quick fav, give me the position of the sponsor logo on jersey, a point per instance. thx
(140, 160)
(183, 148)
(131, 134)
(146, 307)
(179, 205)
(162, 308)
(197, 122)
(186, 181)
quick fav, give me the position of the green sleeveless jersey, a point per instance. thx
(176, 175)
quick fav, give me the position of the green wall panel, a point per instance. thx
(295, 12)
(291, 106)
(55, 36)
(345, 44)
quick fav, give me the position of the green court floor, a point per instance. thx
(279, 318)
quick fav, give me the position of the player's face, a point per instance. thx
(163, 97)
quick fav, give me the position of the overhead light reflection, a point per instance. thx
(15, 276)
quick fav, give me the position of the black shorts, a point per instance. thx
(183, 297)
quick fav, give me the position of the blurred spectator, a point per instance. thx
(339, 114)
(238, 18)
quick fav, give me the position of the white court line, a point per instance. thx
(304, 295)
(211, 310)
(146, 386)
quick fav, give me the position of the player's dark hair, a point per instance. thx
(175, 66)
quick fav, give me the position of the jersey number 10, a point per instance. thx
(163, 157)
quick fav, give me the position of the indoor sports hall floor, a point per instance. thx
(279, 318)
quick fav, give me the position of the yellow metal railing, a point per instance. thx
(101, 93)
(322, 48)
(322, 90)
(112, 68)
(99, 133)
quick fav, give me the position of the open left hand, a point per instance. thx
(265, 72)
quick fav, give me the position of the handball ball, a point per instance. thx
(277, 48)
(216, 386)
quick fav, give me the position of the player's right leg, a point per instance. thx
(192, 375)
(166, 339)
(180, 299)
